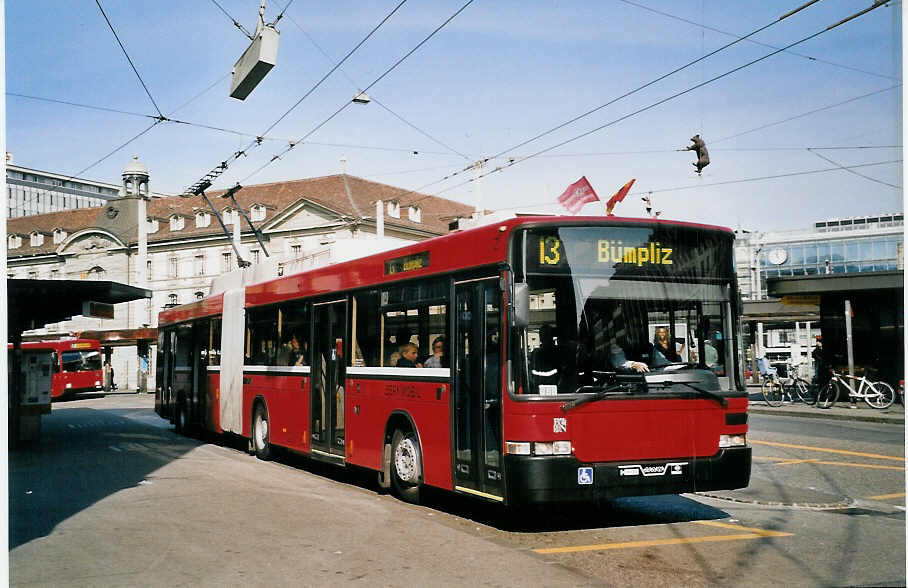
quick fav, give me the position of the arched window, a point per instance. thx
(59, 236)
(199, 295)
(258, 212)
(202, 219)
(96, 273)
(152, 225)
(415, 213)
(14, 242)
(177, 222)
(173, 298)
(36, 239)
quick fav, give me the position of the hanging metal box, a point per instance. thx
(254, 63)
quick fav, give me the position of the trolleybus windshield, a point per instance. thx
(607, 301)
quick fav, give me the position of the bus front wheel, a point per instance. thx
(406, 466)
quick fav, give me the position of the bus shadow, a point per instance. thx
(84, 455)
(622, 512)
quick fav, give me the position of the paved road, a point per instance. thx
(111, 497)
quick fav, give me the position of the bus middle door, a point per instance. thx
(328, 374)
(477, 388)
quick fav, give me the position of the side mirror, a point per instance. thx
(521, 305)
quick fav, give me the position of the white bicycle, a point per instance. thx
(876, 394)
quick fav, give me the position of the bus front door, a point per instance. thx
(477, 389)
(328, 374)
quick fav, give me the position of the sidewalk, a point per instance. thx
(842, 410)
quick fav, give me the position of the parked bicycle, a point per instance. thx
(776, 389)
(876, 394)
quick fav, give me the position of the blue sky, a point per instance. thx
(498, 74)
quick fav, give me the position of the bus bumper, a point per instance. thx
(565, 479)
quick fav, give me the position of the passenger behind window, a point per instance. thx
(292, 353)
(408, 355)
(547, 359)
(437, 359)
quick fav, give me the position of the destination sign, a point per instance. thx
(607, 251)
(660, 251)
(408, 263)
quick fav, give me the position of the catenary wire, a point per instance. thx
(277, 156)
(610, 102)
(723, 183)
(851, 171)
(655, 80)
(876, 4)
(222, 129)
(754, 41)
(200, 94)
(236, 23)
(372, 98)
(129, 59)
(797, 116)
(218, 170)
(78, 105)
(79, 173)
(281, 15)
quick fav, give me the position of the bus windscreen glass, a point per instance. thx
(81, 361)
(627, 300)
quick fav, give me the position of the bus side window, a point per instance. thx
(367, 339)
(214, 343)
(414, 314)
(261, 336)
(292, 336)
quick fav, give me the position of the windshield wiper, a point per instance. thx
(703, 393)
(600, 392)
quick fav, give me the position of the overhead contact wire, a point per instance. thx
(876, 4)
(129, 59)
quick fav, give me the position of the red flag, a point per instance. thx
(618, 197)
(578, 194)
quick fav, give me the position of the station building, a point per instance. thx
(795, 285)
(30, 191)
(180, 245)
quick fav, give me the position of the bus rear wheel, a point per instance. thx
(406, 466)
(260, 435)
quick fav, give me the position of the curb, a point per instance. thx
(820, 413)
(844, 502)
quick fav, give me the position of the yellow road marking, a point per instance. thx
(750, 534)
(848, 464)
(886, 496)
(827, 450)
(763, 532)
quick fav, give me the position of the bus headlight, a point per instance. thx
(539, 448)
(732, 440)
(543, 448)
(562, 447)
(517, 448)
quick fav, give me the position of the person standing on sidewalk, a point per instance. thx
(820, 365)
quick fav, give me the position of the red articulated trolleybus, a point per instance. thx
(77, 365)
(538, 359)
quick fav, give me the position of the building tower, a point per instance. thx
(135, 188)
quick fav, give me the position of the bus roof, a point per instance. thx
(470, 248)
(60, 344)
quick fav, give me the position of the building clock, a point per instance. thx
(777, 256)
